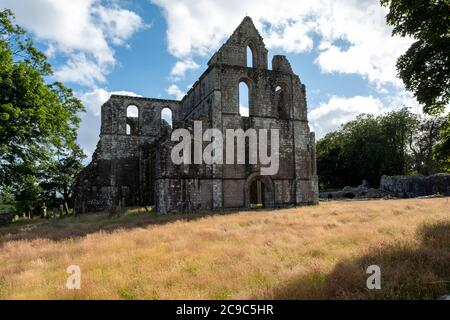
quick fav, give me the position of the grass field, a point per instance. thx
(298, 253)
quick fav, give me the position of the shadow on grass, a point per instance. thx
(70, 227)
(408, 271)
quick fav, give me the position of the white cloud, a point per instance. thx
(329, 116)
(244, 111)
(82, 70)
(119, 24)
(174, 90)
(93, 100)
(82, 30)
(403, 98)
(290, 37)
(181, 67)
(199, 27)
(371, 51)
(350, 36)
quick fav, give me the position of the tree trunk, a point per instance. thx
(66, 208)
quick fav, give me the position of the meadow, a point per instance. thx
(316, 252)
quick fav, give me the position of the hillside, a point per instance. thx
(307, 252)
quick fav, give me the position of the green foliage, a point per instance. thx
(425, 67)
(430, 82)
(38, 121)
(60, 176)
(7, 199)
(369, 147)
(29, 194)
(331, 164)
(442, 148)
(426, 136)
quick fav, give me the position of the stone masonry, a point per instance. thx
(416, 186)
(132, 165)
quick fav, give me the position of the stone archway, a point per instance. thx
(259, 188)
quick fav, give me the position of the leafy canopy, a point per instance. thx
(425, 67)
(37, 120)
(396, 143)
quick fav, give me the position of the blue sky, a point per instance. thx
(342, 50)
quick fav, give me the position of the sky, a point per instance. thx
(342, 50)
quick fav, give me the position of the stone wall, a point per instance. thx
(416, 186)
(136, 169)
(6, 217)
(122, 170)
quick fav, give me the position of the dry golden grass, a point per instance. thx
(309, 252)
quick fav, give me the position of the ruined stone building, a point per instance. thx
(132, 165)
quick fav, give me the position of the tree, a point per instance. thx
(422, 143)
(442, 148)
(396, 128)
(7, 199)
(363, 150)
(60, 176)
(37, 120)
(425, 67)
(366, 149)
(29, 195)
(330, 161)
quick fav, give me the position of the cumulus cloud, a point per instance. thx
(348, 36)
(181, 67)
(198, 27)
(371, 51)
(290, 37)
(118, 24)
(331, 115)
(82, 70)
(244, 110)
(82, 30)
(93, 100)
(174, 90)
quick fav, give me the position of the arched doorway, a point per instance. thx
(259, 191)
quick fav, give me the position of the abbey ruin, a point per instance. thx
(132, 163)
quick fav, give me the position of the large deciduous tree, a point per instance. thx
(60, 176)
(425, 66)
(37, 120)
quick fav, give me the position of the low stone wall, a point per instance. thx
(416, 186)
(360, 192)
(6, 217)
